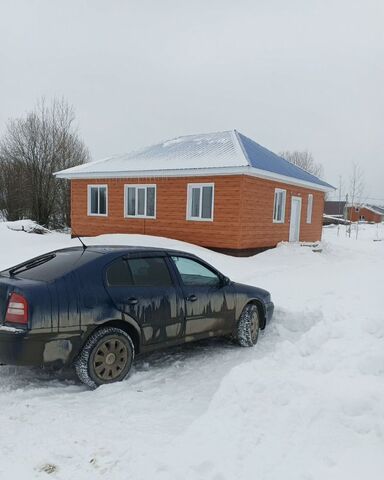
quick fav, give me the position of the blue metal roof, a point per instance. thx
(263, 159)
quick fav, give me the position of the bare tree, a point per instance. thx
(356, 192)
(31, 150)
(304, 160)
(356, 185)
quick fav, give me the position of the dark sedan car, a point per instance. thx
(97, 307)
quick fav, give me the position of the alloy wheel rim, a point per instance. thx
(110, 359)
(254, 327)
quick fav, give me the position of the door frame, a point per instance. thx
(293, 199)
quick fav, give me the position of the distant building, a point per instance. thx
(336, 212)
(367, 213)
(335, 209)
(220, 190)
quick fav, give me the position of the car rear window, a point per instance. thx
(47, 268)
(150, 272)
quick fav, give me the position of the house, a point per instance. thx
(219, 190)
(365, 212)
(335, 209)
(341, 212)
(335, 212)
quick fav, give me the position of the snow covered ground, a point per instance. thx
(305, 403)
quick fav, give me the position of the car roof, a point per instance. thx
(115, 249)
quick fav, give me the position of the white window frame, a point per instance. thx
(278, 190)
(98, 186)
(136, 186)
(189, 201)
(309, 207)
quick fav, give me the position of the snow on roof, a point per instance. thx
(371, 208)
(212, 153)
(374, 209)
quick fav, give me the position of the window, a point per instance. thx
(200, 199)
(118, 274)
(309, 208)
(140, 201)
(52, 266)
(194, 273)
(148, 272)
(97, 200)
(279, 206)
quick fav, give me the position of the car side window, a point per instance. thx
(119, 274)
(194, 273)
(149, 272)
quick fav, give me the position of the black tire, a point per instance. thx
(106, 357)
(249, 326)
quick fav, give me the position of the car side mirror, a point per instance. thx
(225, 281)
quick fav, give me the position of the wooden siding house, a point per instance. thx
(221, 190)
(334, 210)
(366, 213)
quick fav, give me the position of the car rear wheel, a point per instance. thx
(106, 357)
(248, 326)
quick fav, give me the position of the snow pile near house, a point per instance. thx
(28, 226)
(306, 403)
(17, 247)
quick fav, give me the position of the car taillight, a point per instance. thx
(17, 310)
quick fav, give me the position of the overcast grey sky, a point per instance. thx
(296, 74)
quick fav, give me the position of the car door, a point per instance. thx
(209, 301)
(143, 287)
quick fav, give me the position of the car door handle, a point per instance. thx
(132, 301)
(192, 298)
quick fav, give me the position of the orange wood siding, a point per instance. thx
(257, 200)
(171, 210)
(243, 210)
(368, 215)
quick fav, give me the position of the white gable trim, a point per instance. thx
(196, 172)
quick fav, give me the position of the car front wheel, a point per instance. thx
(106, 357)
(248, 326)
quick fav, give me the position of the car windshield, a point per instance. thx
(47, 268)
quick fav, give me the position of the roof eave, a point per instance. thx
(198, 172)
(290, 180)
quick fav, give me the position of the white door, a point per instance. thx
(294, 226)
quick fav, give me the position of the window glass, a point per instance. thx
(194, 273)
(94, 200)
(195, 208)
(150, 201)
(131, 201)
(309, 208)
(118, 274)
(97, 200)
(102, 201)
(140, 201)
(150, 272)
(279, 206)
(52, 266)
(200, 202)
(207, 202)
